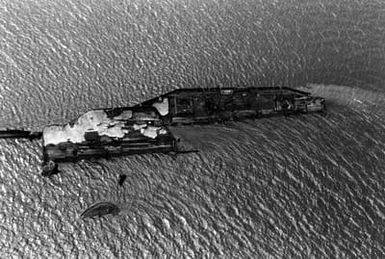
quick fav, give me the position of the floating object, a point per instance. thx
(122, 178)
(100, 209)
(50, 168)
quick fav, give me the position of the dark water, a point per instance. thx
(305, 186)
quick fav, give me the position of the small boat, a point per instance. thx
(100, 209)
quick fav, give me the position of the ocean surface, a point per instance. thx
(287, 187)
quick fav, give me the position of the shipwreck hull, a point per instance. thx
(189, 106)
(143, 128)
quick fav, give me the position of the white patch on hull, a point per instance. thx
(162, 107)
(96, 121)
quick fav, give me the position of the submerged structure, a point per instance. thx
(143, 128)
